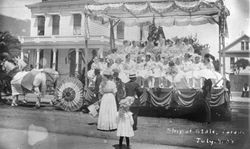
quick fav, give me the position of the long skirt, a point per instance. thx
(107, 113)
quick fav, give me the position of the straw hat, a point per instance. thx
(107, 72)
(116, 70)
(131, 76)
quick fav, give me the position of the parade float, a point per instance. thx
(202, 102)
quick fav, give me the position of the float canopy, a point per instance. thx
(165, 12)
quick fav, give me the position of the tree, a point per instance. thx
(241, 63)
(8, 42)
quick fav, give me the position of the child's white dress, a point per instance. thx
(124, 125)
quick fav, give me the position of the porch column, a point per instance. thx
(22, 53)
(77, 62)
(54, 59)
(37, 58)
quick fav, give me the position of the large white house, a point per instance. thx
(56, 38)
(236, 50)
(57, 29)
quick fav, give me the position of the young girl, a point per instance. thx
(124, 122)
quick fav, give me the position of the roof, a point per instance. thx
(60, 3)
(167, 13)
(64, 44)
(244, 37)
(237, 54)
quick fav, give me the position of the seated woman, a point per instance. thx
(171, 73)
(187, 68)
(180, 79)
(157, 69)
(197, 66)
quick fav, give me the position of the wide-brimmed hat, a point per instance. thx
(131, 76)
(116, 70)
(126, 102)
(107, 72)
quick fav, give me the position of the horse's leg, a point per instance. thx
(24, 99)
(14, 100)
(38, 95)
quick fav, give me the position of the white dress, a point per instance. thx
(108, 109)
(124, 126)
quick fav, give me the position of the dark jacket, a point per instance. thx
(133, 89)
(97, 84)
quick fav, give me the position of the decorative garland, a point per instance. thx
(160, 101)
(185, 100)
(218, 98)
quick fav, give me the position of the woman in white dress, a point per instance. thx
(108, 109)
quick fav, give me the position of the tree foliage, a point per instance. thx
(8, 42)
(242, 63)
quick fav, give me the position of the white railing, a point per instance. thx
(75, 38)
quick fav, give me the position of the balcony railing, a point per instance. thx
(75, 38)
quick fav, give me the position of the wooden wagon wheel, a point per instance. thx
(69, 94)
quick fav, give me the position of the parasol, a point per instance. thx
(69, 94)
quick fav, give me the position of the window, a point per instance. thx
(247, 45)
(41, 58)
(120, 30)
(77, 24)
(232, 61)
(55, 24)
(242, 45)
(40, 25)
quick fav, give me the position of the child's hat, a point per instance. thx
(124, 103)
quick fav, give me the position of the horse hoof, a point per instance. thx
(51, 103)
(37, 106)
(24, 101)
(13, 104)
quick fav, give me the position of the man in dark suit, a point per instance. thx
(97, 83)
(120, 94)
(133, 91)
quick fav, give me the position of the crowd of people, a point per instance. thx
(117, 113)
(137, 65)
(166, 64)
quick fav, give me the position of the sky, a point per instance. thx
(238, 22)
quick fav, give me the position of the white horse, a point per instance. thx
(28, 81)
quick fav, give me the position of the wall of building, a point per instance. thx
(66, 25)
(237, 82)
(132, 33)
(63, 62)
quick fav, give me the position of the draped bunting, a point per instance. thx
(136, 9)
(183, 99)
(168, 13)
(218, 98)
(160, 101)
(162, 7)
(186, 99)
